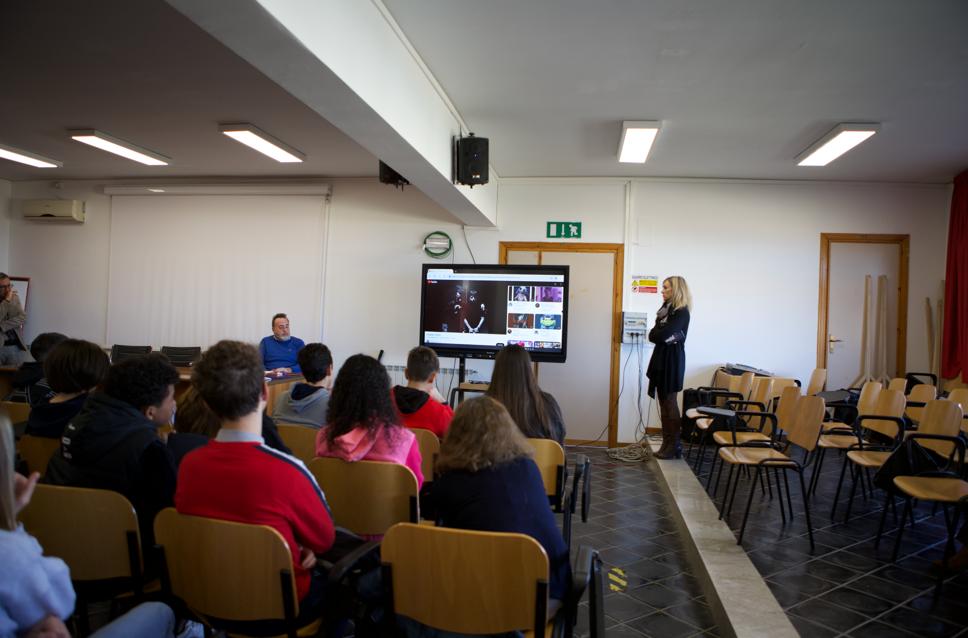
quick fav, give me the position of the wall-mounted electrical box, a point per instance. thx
(635, 325)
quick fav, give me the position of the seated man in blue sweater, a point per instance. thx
(279, 349)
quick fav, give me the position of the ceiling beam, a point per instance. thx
(346, 61)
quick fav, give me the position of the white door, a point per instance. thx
(582, 384)
(848, 267)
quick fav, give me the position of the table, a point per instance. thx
(277, 385)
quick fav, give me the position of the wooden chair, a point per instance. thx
(739, 390)
(762, 433)
(37, 451)
(182, 357)
(227, 572)
(917, 399)
(818, 379)
(803, 434)
(96, 533)
(938, 432)
(301, 439)
(960, 396)
(472, 582)
(945, 486)
(779, 385)
(865, 405)
(867, 453)
(429, 446)
(17, 412)
(550, 458)
(120, 352)
(899, 384)
(367, 497)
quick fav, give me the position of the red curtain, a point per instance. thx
(954, 342)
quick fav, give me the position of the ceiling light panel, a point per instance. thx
(111, 144)
(256, 138)
(25, 157)
(835, 143)
(637, 140)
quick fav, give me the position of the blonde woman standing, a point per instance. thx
(668, 364)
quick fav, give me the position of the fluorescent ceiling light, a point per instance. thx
(256, 138)
(156, 190)
(105, 142)
(637, 139)
(838, 141)
(25, 157)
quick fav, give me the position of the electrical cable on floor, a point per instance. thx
(640, 450)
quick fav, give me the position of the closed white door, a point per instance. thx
(582, 384)
(849, 266)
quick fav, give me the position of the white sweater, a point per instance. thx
(32, 586)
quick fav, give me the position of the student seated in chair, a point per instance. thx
(513, 384)
(73, 369)
(306, 403)
(487, 481)
(237, 477)
(29, 381)
(363, 424)
(419, 403)
(113, 443)
(36, 593)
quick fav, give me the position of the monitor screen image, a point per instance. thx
(475, 310)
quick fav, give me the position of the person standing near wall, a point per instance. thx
(667, 366)
(12, 318)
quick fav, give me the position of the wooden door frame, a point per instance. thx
(618, 289)
(823, 305)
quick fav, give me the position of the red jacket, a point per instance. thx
(418, 410)
(249, 482)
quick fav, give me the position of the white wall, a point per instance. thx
(67, 263)
(749, 250)
(5, 188)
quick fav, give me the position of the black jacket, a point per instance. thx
(29, 379)
(111, 445)
(49, 419)
(667, 367)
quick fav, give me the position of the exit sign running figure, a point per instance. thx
(564, 230)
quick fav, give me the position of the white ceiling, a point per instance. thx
(141, 71)
(741, 87)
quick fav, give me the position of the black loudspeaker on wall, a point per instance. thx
(471, 159)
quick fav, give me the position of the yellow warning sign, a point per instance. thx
(617, 580)
(645, 284)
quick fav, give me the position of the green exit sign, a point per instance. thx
(564, 230)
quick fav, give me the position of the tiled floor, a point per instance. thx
(651, 591)
(846, 587)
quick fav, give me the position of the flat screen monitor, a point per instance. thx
(475, 310)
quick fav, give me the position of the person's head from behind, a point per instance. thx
(514, 385)
(44, 343)
(75, 366)
(482, 434)
(316, 362)
(422, 365)
(675, 290)
(280, 326)
(194, 416)
(146, 383)
(360, 398)
(229, 378)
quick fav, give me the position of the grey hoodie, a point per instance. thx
(303, 404)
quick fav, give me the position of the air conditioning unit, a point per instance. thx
(54, 210)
